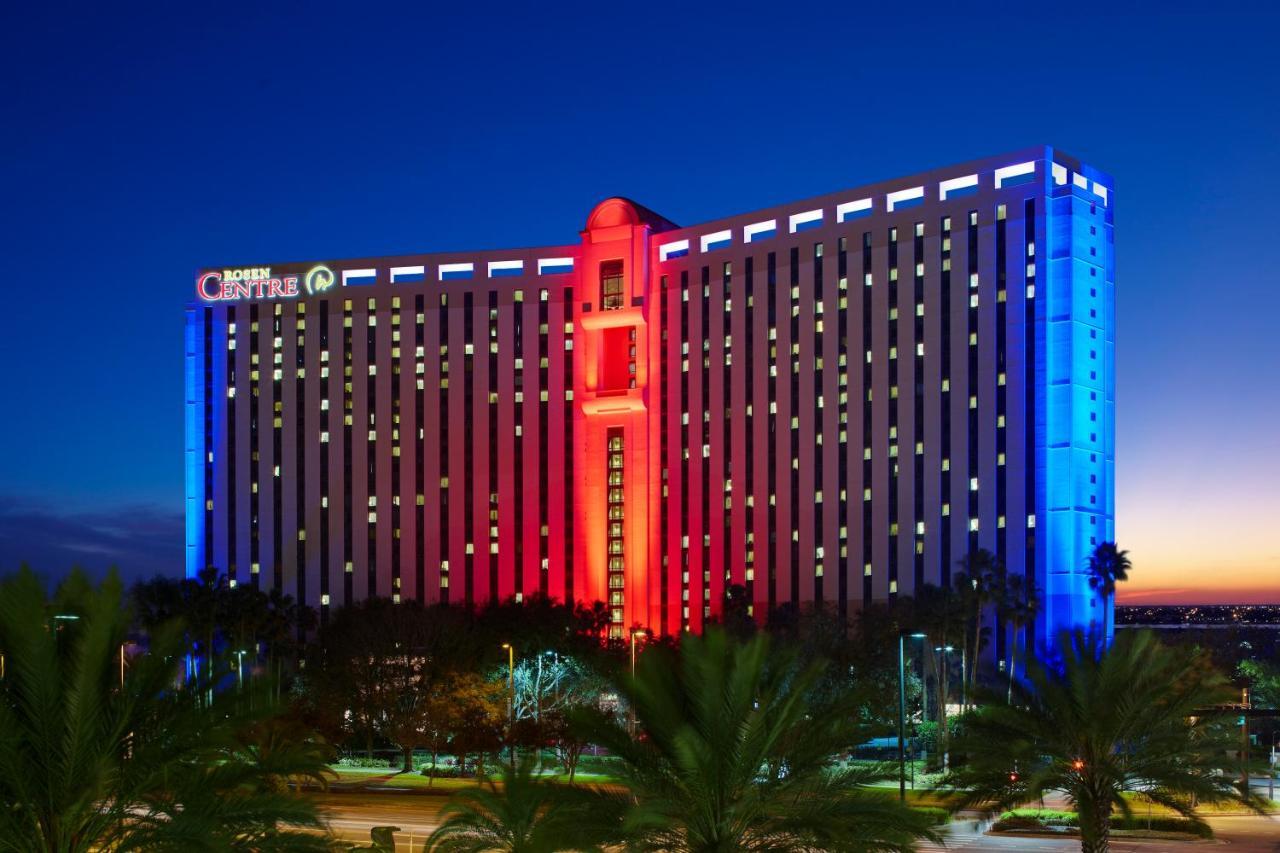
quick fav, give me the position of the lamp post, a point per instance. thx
(1244, 739)
(631, 710)
(1271, 768)
(946, 690)
(511, 699)
(902, 711)
(635, 633)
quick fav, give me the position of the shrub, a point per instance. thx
(1164, 824)
(598, 764)
(1051, 819)
(365, 762)
(1036, 819)
(442, 771)
(1016, 822)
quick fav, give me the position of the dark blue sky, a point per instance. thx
(141, 144)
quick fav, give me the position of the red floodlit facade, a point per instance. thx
(828, 402)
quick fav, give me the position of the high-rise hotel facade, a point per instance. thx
(826, 402)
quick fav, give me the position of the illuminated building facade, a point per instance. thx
(827, 402)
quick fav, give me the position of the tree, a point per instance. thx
(541, 624)
(478, 720)
(223, 618)
(285, 751)
(91, 759)
(1018, 606)
(547, 687)
(1264, 682)
(466, 707)
(734, 756)
(524, 815)
(735, 615)
(1108, 565)
(545, 683)
(978, 583)
(382, 665)
(1100, 721)
(941, 614)
(873, 662)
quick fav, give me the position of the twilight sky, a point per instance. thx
(141, 143)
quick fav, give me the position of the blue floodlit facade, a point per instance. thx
(825, 403)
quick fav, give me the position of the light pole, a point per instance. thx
(945, 675)
(240, 668)
(1244, 738)
(634, 634)
(1271, 768)
(511, 700)
(631, 709)
(902, 711)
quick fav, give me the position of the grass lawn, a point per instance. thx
(383, 778)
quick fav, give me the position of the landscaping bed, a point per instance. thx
(1068, 823)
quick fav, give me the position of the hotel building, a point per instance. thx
(827, 402)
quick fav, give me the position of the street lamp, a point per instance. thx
(902, 711)
(511, 698)
(240, 668)
(946, 694)
(631, 711)
(638, 632)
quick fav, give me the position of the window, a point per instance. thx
(611, 297)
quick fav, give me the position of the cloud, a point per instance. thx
(140, 541)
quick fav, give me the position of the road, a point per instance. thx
(351, 816)
(1243, 834)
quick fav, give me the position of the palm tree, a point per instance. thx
(1019, 606)
(940, 612)
(524, 815)
(979, 583)
(1108, 565)
(1100, 721)
(93, 757)
(285, 751)
(735, 756)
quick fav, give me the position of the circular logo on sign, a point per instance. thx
(319, 279)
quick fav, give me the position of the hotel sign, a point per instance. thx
(238, 285)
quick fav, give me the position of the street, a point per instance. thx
(1246, 834)
(352, 815)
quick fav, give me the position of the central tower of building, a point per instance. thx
(616, 388)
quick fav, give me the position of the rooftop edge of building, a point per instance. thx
(876, 197)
